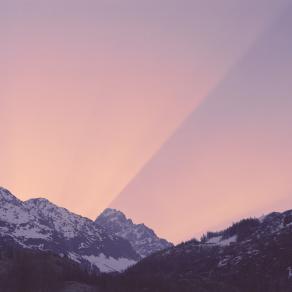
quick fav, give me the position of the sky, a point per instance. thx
(176, 112)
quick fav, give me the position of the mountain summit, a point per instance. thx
(142, 238)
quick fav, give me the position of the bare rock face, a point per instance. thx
(142, 238)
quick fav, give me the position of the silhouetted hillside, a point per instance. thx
(252, 255)
(23, 270)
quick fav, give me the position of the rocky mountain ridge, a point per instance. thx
(41, 225)
(142, 238)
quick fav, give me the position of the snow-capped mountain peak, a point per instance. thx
(113, 215)
(7, 197)
(143, 239)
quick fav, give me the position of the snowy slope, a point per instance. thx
(39, 224)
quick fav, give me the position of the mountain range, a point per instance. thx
(44, 247)
(41, 225)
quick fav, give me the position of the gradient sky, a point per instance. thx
(164, 109)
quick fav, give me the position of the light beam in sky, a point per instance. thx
(232, 157)
(91, 90)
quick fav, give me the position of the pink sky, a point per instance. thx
(91, 91)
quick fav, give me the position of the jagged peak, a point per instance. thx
(48, 208)
(7, 196)
(4, 192)
(43, 203)
(111, 211)
(38, 201)
(142, 238)
(113, 214)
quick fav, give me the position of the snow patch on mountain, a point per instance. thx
(109, 264)
(217, 240)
